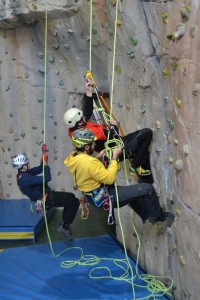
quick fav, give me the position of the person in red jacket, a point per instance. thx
(31, 184)
(136, 144)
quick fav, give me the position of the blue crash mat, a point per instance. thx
(18, 222)
(34, 273)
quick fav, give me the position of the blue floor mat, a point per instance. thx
(34, 273)
(18, 222)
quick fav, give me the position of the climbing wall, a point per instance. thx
(156, 85)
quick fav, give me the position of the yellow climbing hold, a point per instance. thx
(165, 17)
(178, 212)
(178, 102)
(118, 70)
(165, 72)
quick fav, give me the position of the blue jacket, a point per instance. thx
(32, 185)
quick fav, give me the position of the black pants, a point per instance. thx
(142, 198)
(136, 145)
(66, 200)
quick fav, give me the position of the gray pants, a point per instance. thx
(142, 198)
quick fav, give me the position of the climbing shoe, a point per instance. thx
(140, 171)
(66, 232)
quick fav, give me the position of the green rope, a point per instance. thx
(90, 59)
(114, 54)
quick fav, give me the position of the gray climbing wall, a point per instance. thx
(157, 85)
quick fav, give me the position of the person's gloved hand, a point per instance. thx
(45, 148)
(45, 158)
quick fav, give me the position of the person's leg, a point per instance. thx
(147, 203)
(70, 206)
(137, 148)
(141, 152)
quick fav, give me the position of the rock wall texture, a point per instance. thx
(156, 85)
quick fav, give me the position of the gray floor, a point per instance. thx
(95, 225)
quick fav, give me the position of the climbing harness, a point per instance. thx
(100, 198)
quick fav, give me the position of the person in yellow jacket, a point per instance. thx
(91, 177)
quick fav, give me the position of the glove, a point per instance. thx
(45, 148)
(45, 157)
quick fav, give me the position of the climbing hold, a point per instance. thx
(166, 99)
(56, 46)
(133, 40)
(34, 127)
(51, 115)
(185, 149)
(158, 124)
(169, 139)
(185, 13)
(178, 102)
(26, 74)
(55, 123)
(113, 2)
(40, 54)
(174, 247)
(22, 135)
(175, 142)
(165, 72)
(177, 34)
(34, 6)
(70, 31)
(174, 65)
(193, 31)
(170, 159)
(61, 82)
(118, 70)
(119, 22)
(119, 104)
(171, 124)
(51, 59)
(41, 69)
(165, 17)
(59, 173)
(130, 53)
(8, 88)
(40, 100)
(178, 165)
(158, 150)
(11, 115)
(143, 108)
(94, 31)
(10, 130)
(196, 89)
(182, 260)
(55, 32)
(178, 212)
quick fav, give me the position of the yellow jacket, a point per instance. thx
(88, 172)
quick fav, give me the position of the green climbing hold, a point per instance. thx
(171, 124)
(143, 108)
(133, 40)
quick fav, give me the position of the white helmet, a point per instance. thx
(19, 161)
(72, 116)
